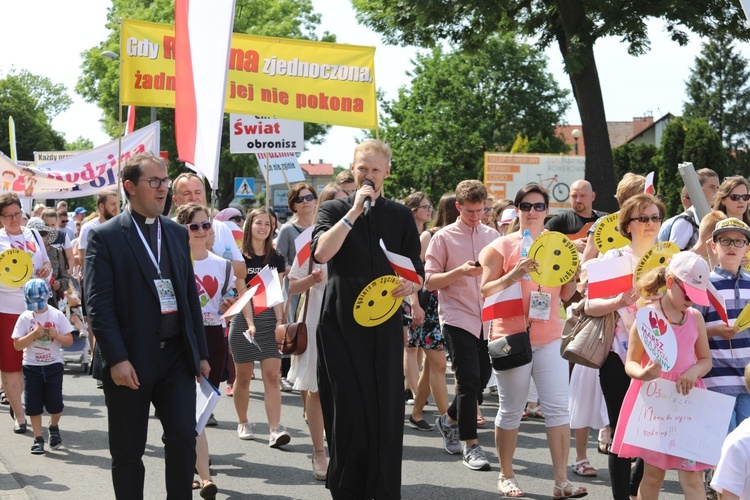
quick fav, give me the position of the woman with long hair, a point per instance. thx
(257, 249)
(733, 198)
(503, 267)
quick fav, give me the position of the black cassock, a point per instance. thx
(360, 369)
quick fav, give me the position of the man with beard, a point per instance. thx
(106, 204)
(576, 222)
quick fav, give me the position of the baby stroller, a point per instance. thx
(78, 352)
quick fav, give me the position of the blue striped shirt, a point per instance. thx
(728, 358)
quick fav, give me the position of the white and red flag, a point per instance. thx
(243, 299)
(504, 304)
(130, 125)
(269, 290)
(403, 266)
(303, 245)
(203, 34)
(649, 189)
(610, 277)
(718, 302)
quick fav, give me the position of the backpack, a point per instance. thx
(666, 229)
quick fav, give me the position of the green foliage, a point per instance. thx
(521, 145)
(636, 158)
(99, 81)
(703, 147)
(460, 105)
(33, 101)
(80, 144)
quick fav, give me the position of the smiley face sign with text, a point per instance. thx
(657, 337)
(16, 268)
(375, 304)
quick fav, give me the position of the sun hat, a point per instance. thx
(693, 271)
(227, 214)
(35, 293)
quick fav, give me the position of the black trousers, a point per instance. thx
(173, 396)
(471, 364)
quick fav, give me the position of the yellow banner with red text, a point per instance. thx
(294, 79)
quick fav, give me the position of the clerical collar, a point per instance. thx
(141, 219)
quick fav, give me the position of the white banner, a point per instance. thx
(44, 157)
(92, 171)
(684, 426)
(261, 134)
(278, 163)
(28, 181)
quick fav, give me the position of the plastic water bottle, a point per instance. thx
(227, 253)
(231, 293)
(526, 243)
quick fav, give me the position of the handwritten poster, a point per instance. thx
(657, 337)
(688, 426)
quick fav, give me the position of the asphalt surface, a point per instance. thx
(250, 469)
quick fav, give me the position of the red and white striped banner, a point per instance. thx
(610, 277)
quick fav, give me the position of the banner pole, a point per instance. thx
(268, 180)
(119, 127)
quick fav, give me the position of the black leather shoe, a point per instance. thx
(20, 428)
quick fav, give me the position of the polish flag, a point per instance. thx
(403, 266)
(649, 189)
(610, 277)
(303, 245)
(717, 301)
(237, 233)
(242, 300)
(131, 120)
(269, 290)
(203, 34)
(504, 304)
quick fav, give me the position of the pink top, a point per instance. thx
(460, 303)
(541, 332)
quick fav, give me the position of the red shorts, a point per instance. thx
(10, 359)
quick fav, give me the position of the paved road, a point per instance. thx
(249, 469)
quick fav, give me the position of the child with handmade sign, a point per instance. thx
(730, 345)
(685, 280)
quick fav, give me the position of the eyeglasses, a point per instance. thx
(155, 182)
(307, 197)
(194, 226)
(427, 207)
(738, 197)
(486, 210)
(237, 218)
(681, 287)
(17, 215)
(525, 206)
(645, 219)
(725, 242)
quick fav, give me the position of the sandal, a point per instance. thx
(209, 491)
(3, 399)
(603, 448)
(566, 489)
(535, 412)
(583, 468)
(480, 420)
(508, 486)
(197, 485)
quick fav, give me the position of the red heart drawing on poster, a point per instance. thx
(662, 327)
(31, 246)
(210, 284)
(652, 319)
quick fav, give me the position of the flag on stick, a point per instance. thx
(269, 290)
(504, 304)
(610, 277)
(303, 245)
(403, 266)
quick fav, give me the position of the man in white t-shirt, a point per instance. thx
(732, 476)
(187, 188)
(107, 206)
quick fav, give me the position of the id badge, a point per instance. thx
(540, 305)
(167, 298)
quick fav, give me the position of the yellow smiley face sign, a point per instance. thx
(375, 304)
(15, 268)
(607, 233)
(657, 255)
(557, 257)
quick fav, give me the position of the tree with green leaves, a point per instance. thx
(460, 105)
(99, 82)
(573, 25)
(718, 90)
(636, 158)
(33, 101)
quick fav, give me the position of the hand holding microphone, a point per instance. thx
(368, 200)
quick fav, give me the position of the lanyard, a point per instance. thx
(156, 261)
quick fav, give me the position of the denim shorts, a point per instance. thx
(42, 388)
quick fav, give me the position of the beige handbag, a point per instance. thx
(587, 340)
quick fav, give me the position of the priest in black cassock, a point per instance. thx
(360, 371)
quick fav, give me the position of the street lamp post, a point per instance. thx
(576, 135)
(111, 55)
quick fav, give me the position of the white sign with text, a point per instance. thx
(262, 134)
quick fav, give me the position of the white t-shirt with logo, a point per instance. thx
(11, 298)
(210, 277)
(43, 351)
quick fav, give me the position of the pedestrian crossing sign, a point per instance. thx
(244, 187)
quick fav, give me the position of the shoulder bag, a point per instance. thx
(510, 351)
(291, 338)
(587, 340)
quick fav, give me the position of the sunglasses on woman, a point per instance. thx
(738, 197)
(645, 219)
(237, 218)
(194, 226)
(525, 206)
(307, 197)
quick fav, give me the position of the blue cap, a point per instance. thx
(35, 293)
(80, 210)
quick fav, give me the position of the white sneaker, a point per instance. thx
(279, 437)
(245, 431)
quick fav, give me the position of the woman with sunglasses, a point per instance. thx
(733, 198)
(640, 220)
(213, 277)
(257, 249)
(303, 202)
(14, 236)
(503, 268)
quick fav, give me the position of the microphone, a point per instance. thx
(368, 201)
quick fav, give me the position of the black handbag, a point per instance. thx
(510, 351)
